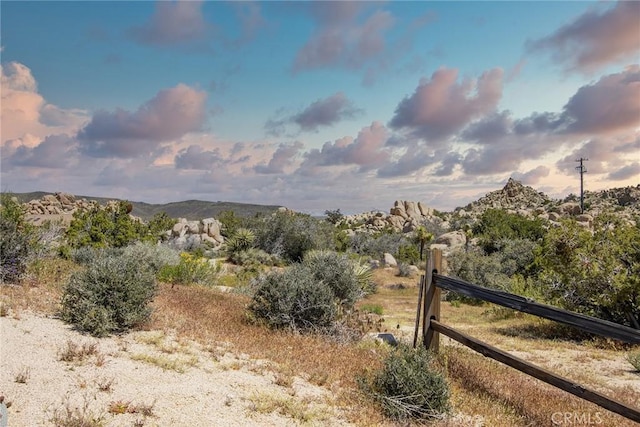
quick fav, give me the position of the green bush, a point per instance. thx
(156, 228)
(104, 227)
(253, 257)
(290, 235)
(337, 271)
(375, 245)
(154, 255)
(408, 254)
(311, 295)
(16, 240)
(409, 387)
(496, 224)
(112, 294)
(594, 272)
(191, 269)
(294, 299)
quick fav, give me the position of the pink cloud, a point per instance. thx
(340, 40)
(171, 114)
(325, 112)
(608, 105)
(367, 150)
(626, 172)
(441, 106)
(195, 157)
(595, 38)
(173, 23)
(54, 152)
(283, 158)
(607, 155)
(532, 176)
(26, 112)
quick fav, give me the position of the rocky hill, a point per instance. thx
(514, 197)
(64, 204)
(403, 216)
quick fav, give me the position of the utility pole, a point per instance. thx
(582, 169)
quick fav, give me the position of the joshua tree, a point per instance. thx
(423, 237)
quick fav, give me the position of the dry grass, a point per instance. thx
(78, 353)
(41, 290)
(532, 401)
(206, 316)
(482, 390)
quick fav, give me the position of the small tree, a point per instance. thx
(334, 216)
(104, 227)
(423, 237)
(594, 273)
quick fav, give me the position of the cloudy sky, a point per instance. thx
(318, 105)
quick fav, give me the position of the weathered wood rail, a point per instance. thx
(429, 297)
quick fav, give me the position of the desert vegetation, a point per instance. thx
(303, 292)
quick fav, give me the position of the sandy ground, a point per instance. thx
(154, 378)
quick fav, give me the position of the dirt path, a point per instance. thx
(153, 377)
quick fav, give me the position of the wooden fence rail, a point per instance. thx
(429, 303)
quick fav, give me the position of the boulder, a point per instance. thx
(411, 208)
(571, 209)
(452, 240)
(389, 261)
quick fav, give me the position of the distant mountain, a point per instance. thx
(189, 209)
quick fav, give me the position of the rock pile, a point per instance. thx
(191, 234)
(404, 216)
(58, 204)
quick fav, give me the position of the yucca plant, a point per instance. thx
(242, 240)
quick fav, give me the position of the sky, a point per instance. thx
(318, 105)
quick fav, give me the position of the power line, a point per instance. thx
(582, 169)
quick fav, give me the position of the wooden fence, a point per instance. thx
(429, 297)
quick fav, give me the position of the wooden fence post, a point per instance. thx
(431, 338)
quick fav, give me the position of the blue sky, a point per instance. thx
(318, 105)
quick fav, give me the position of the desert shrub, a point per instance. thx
(294, 299)
(436, 226)
(595, 273)
(408, 254)
(253, 257)
(634, 359)
(375, 245)
(87, 254)
(409, 386)
(14, 252)
(511, 268)
(154, 255)
(229, 223)
(154, 230)
(337, 271)
(112, 294)
(313, 294)
(290, 235)
(334, 216)
(102, 227)
(404, 270)
(496, 225)
(517, 256)
(17, 240)
(191, 269)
